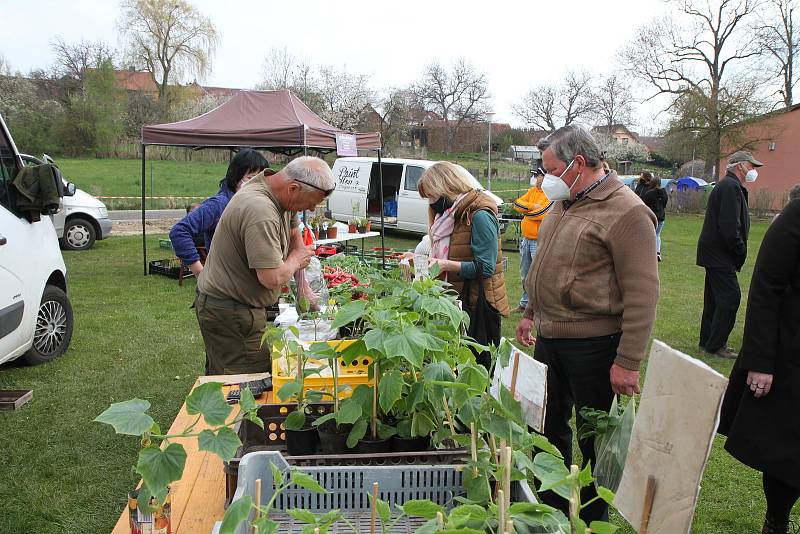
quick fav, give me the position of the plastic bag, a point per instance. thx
(312, 277)
(612, 435)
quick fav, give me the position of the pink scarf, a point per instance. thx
(442, 229)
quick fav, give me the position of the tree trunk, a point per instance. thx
(450, 135)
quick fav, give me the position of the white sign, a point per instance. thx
(353, 176)
(529, 380)
(346, 145)
(671, 441)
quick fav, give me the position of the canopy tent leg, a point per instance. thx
(383, 225)
(144, 230)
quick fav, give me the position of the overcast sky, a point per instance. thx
(518, 44)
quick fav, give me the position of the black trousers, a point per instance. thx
(720, 304)
(577, 377)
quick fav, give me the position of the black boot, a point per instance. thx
(771, 526)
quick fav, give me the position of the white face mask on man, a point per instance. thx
(751, 176)
(555, 188)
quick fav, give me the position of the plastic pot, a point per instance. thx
(352, 228)
(333, 440)
(323, 233)
(420, 443)
(362, 229)
(371, 446)
(302, 442)
(333, 232)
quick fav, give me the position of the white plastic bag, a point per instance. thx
(316, 294)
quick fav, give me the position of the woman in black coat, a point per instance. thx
(760, 409)
(656, 199)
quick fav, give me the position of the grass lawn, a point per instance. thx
(136, 336)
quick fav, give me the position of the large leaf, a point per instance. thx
(552, 473)
(349, 412)
(238, 511)
(128, 417)
(160, 467)
(415, 396)
(357, 433)
(383, 509)
(307, 482)
(390, 388)
(349, 312)
(398, 346)
(304, 516)
(295, 420)
(266, 525)
(438, 372)
(468, 512)
(606, 494)
(470, 411)
(289, 390)
(207, 399)
(422, 508)
(247, 402)
(224, 443)
(375, 340)
(477, 487)
(511, 404)
(601, 527)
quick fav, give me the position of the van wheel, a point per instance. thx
(54, 323)
(79, 234)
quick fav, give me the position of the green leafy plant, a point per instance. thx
(161, 460)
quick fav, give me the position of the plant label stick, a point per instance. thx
(374, 517)
(649, 497)
(501, 509)
(514, 372)
(474, 449)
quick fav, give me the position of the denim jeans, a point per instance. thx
(527, 251)
(659, 227)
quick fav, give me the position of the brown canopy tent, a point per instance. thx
(268, 120)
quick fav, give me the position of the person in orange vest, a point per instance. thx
(534, 206)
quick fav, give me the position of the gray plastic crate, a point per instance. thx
(349, 488)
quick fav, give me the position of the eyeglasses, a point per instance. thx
(538, 171)
(326, 191)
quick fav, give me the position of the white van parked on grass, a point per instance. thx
(358, 192)
(35, 313)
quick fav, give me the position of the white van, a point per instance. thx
(358, 192)
(36, 319)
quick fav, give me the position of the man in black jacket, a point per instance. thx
(722, 249)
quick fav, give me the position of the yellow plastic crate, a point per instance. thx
(354, 374)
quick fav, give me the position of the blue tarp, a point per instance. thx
(690, 182)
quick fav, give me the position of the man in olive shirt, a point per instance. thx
(257, 249)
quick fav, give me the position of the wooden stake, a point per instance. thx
(449, 415)
(474, 433)
(514, 372)
(647, 508)
(375, 403)
(374, 518)
(574, 498)
(507, 477)
(509, 527)
(316, 531)
(587, 531)
(501, 509)
(440, 519)
(258, 504)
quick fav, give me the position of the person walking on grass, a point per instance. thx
(534, 206)
(655, 198)
(759, 411)
(722, 250)
(592, 292)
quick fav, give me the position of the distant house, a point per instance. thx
(524, 153)
(772, 139)
(653, 144)
(471, 136)
(619, 133)
(135, 81)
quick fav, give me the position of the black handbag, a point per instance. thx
(484, 321)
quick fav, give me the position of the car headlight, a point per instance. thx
(103, 212)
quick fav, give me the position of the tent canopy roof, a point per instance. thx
(259, 119)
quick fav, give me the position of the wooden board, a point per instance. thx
(12, 399)
(198, 499)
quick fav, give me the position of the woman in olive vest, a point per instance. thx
(465, 243)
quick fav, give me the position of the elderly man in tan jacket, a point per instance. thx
(592, 290)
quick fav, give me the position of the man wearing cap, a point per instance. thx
(257, 249)
(722, 249)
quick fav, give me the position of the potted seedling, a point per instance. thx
(323, 228)
(301, 437)
(333, 231)
(363, 225)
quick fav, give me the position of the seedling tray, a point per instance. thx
(349, 486)
(273, 438)
(170, 268)
(13, 399)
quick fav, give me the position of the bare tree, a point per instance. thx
(170, 38)
(781, 40)
(701, 53)
(5, 67)
(613, 101)
(458, 95)
(73, 60)
(343, 97)
(549, 107)
(392, 109)
(284, 70)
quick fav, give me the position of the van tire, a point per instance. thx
(79, 234)
(54, 324)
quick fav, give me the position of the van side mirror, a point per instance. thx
(70, 189)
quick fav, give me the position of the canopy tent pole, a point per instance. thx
(383, 226)
(144, 229)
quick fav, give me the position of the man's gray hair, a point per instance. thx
(570, 141)
(794, 193)
(308, 170)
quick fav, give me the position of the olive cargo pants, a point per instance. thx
(232, 337)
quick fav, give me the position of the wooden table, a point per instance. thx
(198, 498)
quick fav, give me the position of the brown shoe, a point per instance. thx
(727, 352)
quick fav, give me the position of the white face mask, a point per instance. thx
(555, 188)
(751, 175)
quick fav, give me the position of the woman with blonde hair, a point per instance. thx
(465, 244)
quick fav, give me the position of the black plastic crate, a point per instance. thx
(170, 268)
